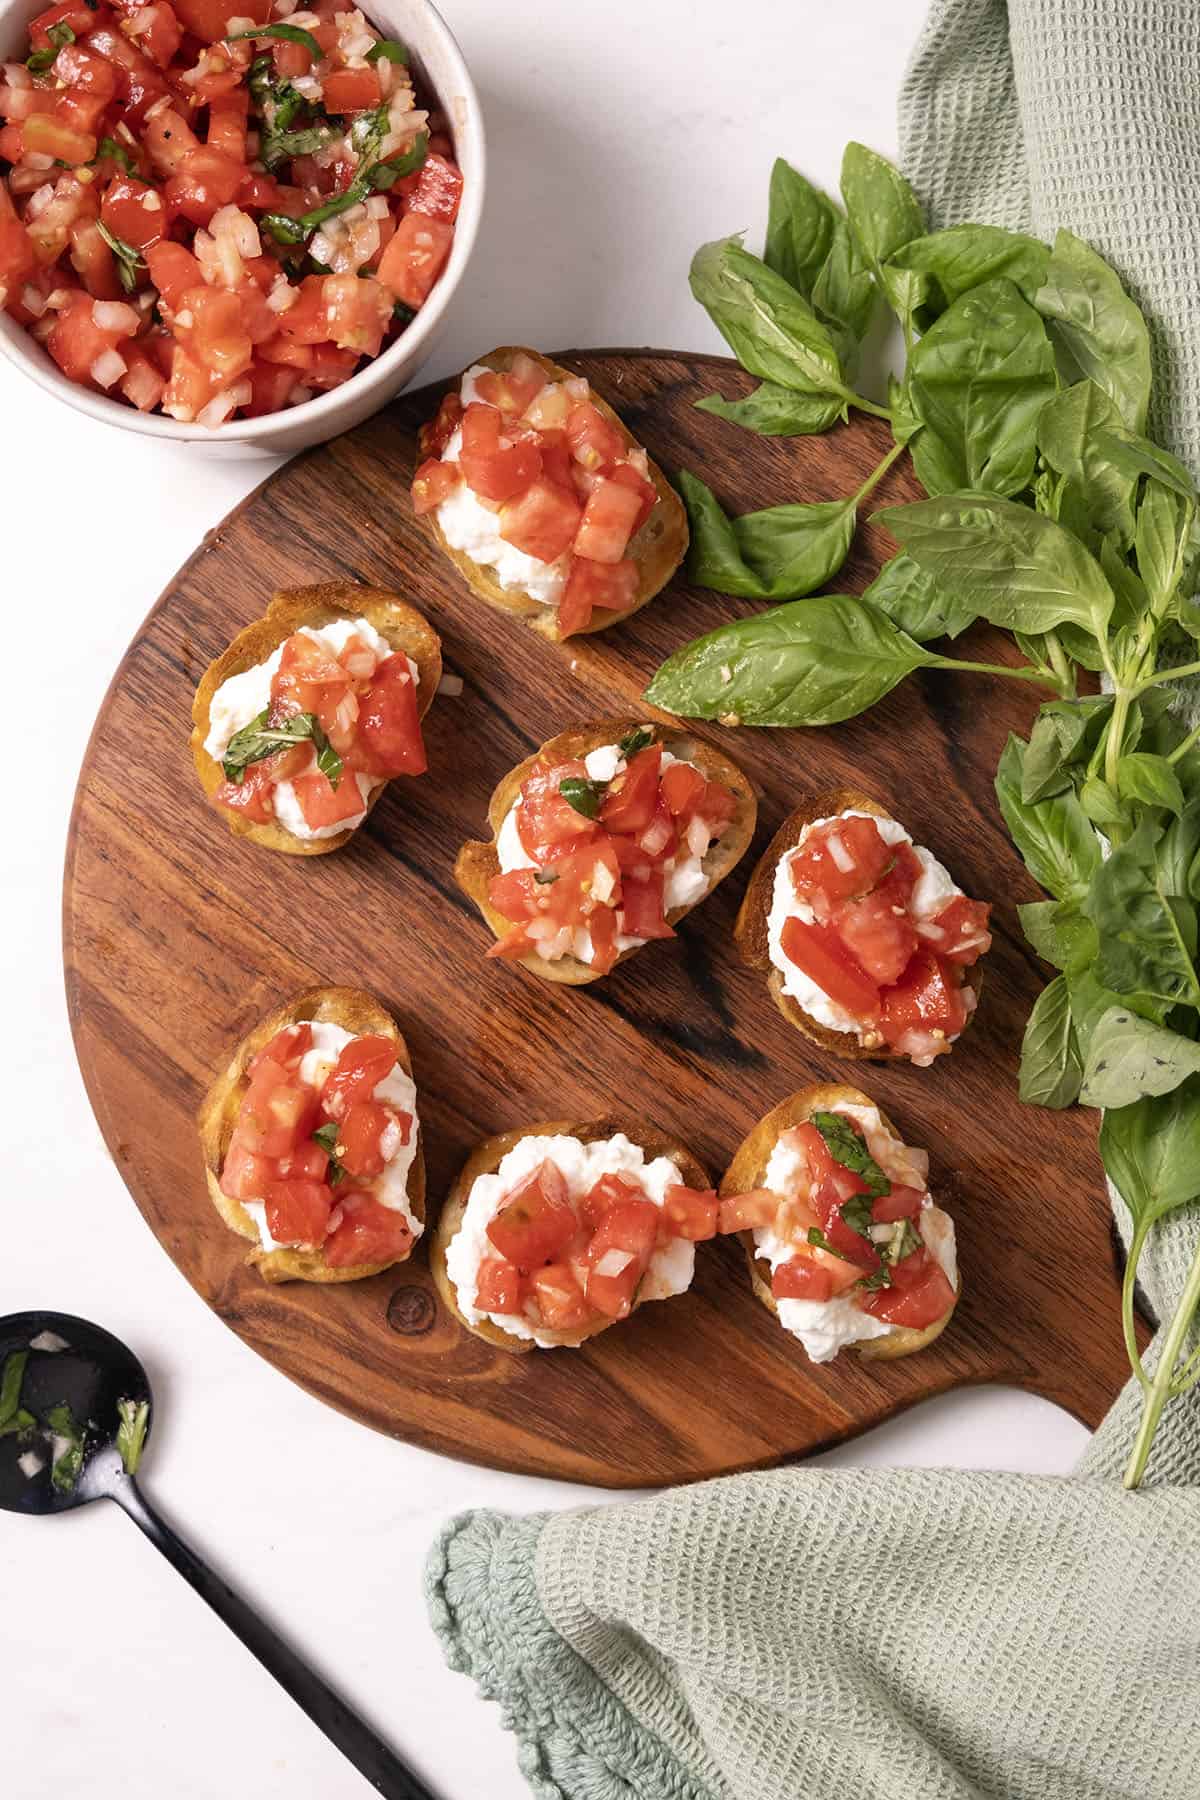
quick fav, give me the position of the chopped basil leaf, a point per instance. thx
(286, 230)
(279, 147)
(390, 51)
(287, 34)
(258, 740)
(110, 147)
(68, 1448)
(129, 260)
(878, 1278)
(583, 794)
(59, 35)
(326, 1136)
(904, 1240)
(384, 174)
(817, 1237)
(22, 1423)
(131, 1434)
(846, 1147)
(10, 1384)
(857, 1214)
(366, 135)
(402, 315)
(633, 741)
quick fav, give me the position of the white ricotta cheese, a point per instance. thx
(241, 699)
(396, 1089)
(933, 889)
(825, 1326)
(685, 881)
(671, 1267)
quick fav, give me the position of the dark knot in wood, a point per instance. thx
(411, 1310)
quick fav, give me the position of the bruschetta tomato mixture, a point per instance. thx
(530, 480)
(306, 737)
(871, 935)
(856, 1246)
(323, 1144)
(206, 214)
(566, 1235)
(596, 853)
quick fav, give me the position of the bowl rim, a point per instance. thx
(29, 357)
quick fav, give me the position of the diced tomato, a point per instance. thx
(261, 193)
(900, 1203)
(879, 937)
(434, 482)
(287, 1046)
(643, 909)
(593, 439)
(73, 13)
(559, 1297)
(596, 587)
(358, 310)
(801, 1278)
(167, 140)
(211, 323)
(536, 1222)
(361, 1137)
(859, 857)
(494, 467)
(42, 134)
(625, 475)
(227, 117)
(609, 1191)
(820, 954)
(745, 1212)
(270, 388)
(506, 389)
(632, 797)
(388, 729)
(618, 1254)
(499, 1287)
(209, 19)
(156, 28)
(350, 90)
(415, 258)
(959, 932)
(436, 435)
(297, 1212)
(206, 179)
(324, 804)
(244, 1174)
(330, 366)
(361, 1065)
(542, 520)
(901, 875)
(93, 261)
(824, 1171)
(309, 677)
(367, 1232)
(608, 523)
(77, 341)
(291, 59)
(306, 321)
(917, 1298)
(173, 271)
(278, 1111)
(436, 192)
(133, 212)
(927, 1001)
(78, 67)
(692, 1212)
(190, 387)
(546, 823)
(683, 788)
(253, 796)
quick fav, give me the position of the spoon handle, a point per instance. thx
(352, 1735)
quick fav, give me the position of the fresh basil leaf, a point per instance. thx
(883, 211)
(1064, 735)
(1179, 848)
(800, 221)
(20, 1425)
(131, 1432)
(770, 328)
(776, 554)
(714, 559)
(1050, 1067)
(329, 763)
(110, 147)
(68, 1448)
(1099, 331)
(905, 422)
(60, 34)
(281, 147)
(1131, 599)
(1138, 456)
(912, 599)
(1130, 1056)
(1060, 848)
(583, 794)
(1147, 934)
(1151, 1151)
(967, 256)
(285, 34)
(979, 380)
(390, 50)
(639, 739)
(810, 662)
(856, 1214)
(1017, 568)
(1164, 524)
(1058, 931)
(906, 292)
(778, 411)
(1071, 436)
(258, 740)
(817, 1238)
(844, 293)
(846, 1147)
(1102, 804)
(11, 1379)
(1150, 779)
(1090, 999)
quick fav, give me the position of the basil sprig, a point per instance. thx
(366, 136)
(584, 794)
(60, 35)
(327, 1136)
(129, 260)
(286, 34)
(259, 739)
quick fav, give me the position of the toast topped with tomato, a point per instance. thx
(845, 1243)
(869, 947)
(602, 841)
(311, 711)
(555, 1232)
(542, 500)
(312, 1145)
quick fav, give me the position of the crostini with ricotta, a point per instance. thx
(602, 841)
(542, 500)
(870, 948)
(301, 723)
(312, 1144)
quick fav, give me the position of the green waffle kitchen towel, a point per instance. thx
(819, 1635)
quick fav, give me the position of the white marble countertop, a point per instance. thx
(620, 137)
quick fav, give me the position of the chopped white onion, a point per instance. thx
(377, 206)
(35, 160)
(842, 858)
(699, 835)
(656, 837)
(38, 201)
(50, 1342)
(613, 1262)
(451, 686)
(108, 368)
(16, 75)
(282, 295)
(33, 300)
(160, 106)
(143, 387)
(114, 315)
(30, 1464)
(927, 928)
(223, 405)
(231, 221)
(603, 883)
(235, 26)
(577, 387)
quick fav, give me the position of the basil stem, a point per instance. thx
(287, 34)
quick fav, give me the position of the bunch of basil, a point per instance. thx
(1050, 514)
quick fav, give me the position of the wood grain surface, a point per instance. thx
(179, 938)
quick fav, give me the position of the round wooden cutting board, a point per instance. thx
(180, 938)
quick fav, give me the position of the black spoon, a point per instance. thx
(80, 1394)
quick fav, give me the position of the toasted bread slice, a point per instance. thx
(748, 1171)
(486, 1158)
(477, 863)
(403, 627)
(658, 548)
(750, 927)
(357, 1012)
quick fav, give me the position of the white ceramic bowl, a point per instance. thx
(439, 61)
